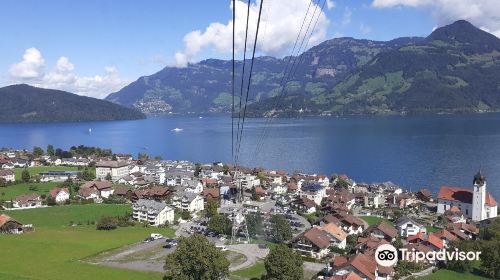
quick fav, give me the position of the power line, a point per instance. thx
(232, 84)
(292, 72)
(249, 80)
(242, 76)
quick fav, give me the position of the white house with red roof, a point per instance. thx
(476, 203)
(60, 195)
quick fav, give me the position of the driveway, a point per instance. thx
(252, 253)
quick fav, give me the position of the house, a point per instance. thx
(153, 212)
(338, 238)
(188, 201)
(313, 191)
(313, 243)
(463, 231)
(123, 192)
(385, 231)
(212, 193)
(260, 193)
(8, 175)
(27, 201)
(89, 194)
(177, 177)
(341, 198)
(350, 224)
(9, 225)
(369, 244)
(304, 204)
(374, 200)
(60, 195)
(104, 188)
(115, 169)
(363, 265)
(194, 186)
(476, 203)
(58, 176)
(419, 247)
(408, 227)
(424, 195)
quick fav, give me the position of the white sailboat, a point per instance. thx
(177, 129)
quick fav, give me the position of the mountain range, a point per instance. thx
(24, 103)
(454, 69)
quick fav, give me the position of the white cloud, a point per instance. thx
(365, 29)
(485, 14)
(32, 70)
(280, 23)
(330, 4)
(346, 16)
(30, 67)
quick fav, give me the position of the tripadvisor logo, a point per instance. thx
(388, 255)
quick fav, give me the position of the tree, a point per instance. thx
(50, 150)
(25, 176)
(281, 230)
(50, 201)
(283, 263)
(225, 169)
(37, 152)
(107, 223)
(108, 177)
(398, 243)
(490, 259)
(3, 183)
(197, 170)
(254, 224)
(195, 258)
(185, 215)
(459, 265)
(220, 224)
(86, 175)
(114, 157)
(212, 206)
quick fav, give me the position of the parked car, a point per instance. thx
(156, 236)
(221, 247)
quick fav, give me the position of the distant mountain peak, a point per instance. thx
(464, 32)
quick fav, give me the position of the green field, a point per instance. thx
(12, 191)
(55, 249)
(444, 274)
(38, 169)
(372, 220)
(254, 271)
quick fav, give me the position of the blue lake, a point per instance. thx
(415, 152)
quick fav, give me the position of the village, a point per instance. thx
(332, 221)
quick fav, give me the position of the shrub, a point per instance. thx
(107, 223)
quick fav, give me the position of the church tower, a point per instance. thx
(479, 197)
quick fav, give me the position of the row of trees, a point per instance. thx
(196, 258)
(489, 246)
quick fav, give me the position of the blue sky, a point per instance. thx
(136, 38)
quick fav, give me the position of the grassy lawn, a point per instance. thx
(254, 271)
(38, 169)
(12, 191)
(431, 229)
(61, 216)
(372, 220)
(55, 249)
(444, 274)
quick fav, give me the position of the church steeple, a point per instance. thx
(479, 179)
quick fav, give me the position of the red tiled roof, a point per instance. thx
(365, 264)
(463, 195)
(4, 219)
(53, 192)
(445, 234)
(99, 185)
(436, 241)
(348, 276)
(27, 197)
(212, 192)
(416, 237)
(318, 237)
(387, 229)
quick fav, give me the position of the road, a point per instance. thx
(252, 253)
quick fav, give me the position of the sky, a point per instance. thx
(95, 47)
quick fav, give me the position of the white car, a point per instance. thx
(156, 236)
(221, 247)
